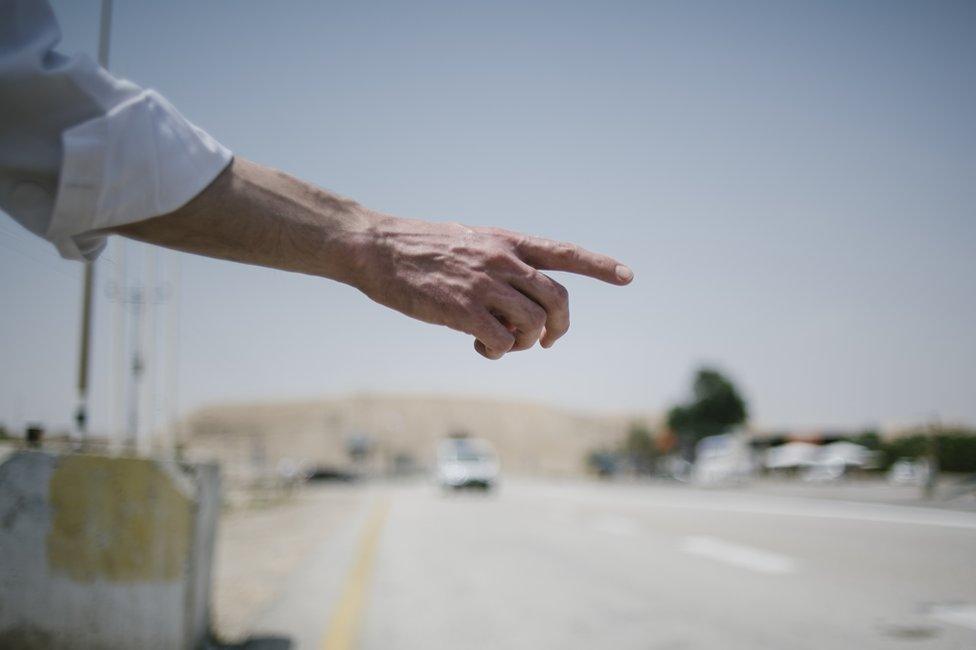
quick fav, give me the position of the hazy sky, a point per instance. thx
(793, 183)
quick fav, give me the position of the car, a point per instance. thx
(908, 471)
(722, 460)
(466, 463)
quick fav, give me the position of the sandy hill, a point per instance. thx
(401, 430)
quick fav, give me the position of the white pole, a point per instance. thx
(88, 278)
(173, 438)
(151, 298)
(119, 337)
(137, 366)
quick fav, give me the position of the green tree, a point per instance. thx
(868, 438)
(639, 447)
(956, 449)
(715, 407)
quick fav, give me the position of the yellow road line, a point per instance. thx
(343, 630)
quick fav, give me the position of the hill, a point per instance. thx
(400, 431)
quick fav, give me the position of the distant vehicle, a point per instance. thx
(329, 473)
(724, 459)
(907, 471)
(466, 463)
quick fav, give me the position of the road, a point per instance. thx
(585, 565)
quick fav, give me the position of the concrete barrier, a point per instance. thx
(101, 552)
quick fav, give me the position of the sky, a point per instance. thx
(794, 185)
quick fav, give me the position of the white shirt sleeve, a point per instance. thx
(81, 150)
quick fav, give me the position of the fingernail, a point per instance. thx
(624, 274)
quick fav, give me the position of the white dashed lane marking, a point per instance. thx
(745, 557)
(961, 614)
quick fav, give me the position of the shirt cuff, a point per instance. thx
(140, 160)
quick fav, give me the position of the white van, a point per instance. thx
(466, 462)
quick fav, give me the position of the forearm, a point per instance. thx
(257, 215)
(483, 281)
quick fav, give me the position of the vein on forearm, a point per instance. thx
(256, 215)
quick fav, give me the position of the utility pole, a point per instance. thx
(81, 414)
(118, 373)
(88, 279)
(148, 345)
(140, 298)
(174, 440)
(932, 478)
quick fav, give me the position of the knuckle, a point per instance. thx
(556, 293)
(460, 226)
(501, 233)
(561, 328)
(535, 277)
(537, 317)
(566, 251)
(497, 256)
(562, 293)
(481, 285)
(519, 241)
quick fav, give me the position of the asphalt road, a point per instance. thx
(583, 566)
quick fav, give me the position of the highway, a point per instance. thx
(580, 565)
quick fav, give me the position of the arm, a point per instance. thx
(83, 155)
(485, 282)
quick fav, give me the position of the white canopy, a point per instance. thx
(843, 453)
(792, 454)
(804, 454)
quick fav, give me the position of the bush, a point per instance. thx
(639, 448)
(956, 449)
(869, 439)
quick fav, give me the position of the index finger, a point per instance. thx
(549, 255)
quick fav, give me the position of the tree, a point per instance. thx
(714, 408)
(868, 438)
(639, 447)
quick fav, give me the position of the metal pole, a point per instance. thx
(84, 353)
(105, 33)
(932, 479)
(119, 374)
(134, 442)
(174, 441)
(148, 344)
(81, 415)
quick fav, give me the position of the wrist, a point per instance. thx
(370, 253)
(355, 246)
